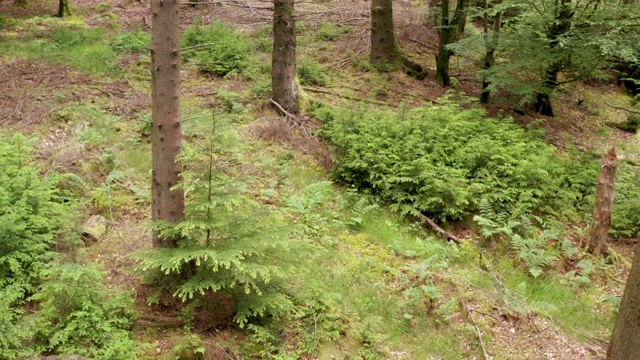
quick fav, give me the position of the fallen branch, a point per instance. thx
(475, 325)
(289, 116)
(438, 229)
(619, 107)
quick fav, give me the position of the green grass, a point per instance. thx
(83, 49)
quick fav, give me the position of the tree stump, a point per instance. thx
(599, 232)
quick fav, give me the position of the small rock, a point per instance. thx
(94, 228)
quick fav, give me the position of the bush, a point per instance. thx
(78, 315)
(625, 217)
(131, 42)
(330, 32)
(311, 72)
(68, 37)
(444, 160)
(225, 51)
(32, 212)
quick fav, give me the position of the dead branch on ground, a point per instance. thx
(438, 229)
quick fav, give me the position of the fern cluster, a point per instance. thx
(444, 160)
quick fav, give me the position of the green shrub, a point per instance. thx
(444, 160)
(65, 37)
(225, 51)
(78, 315)
(330, 32)
(32, 212)
(131, 42)
(311, 72)
(625, 216)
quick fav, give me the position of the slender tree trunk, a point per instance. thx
(491, 43)
(166, 136)
(383, 38)
(560, 27)
(283, 57)
(543, 98)
(63, 8)
(599, 232)
(449, 31)
(625, 340)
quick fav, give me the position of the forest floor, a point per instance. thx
(91, 120)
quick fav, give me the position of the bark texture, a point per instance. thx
(491, 35)
(625, 340)
(283, 57)
(383, 38)
(166, 135)
(560, 27)
(63, 8)
(599, 232)
(448, 33)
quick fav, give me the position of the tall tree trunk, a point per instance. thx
(448, 33)
(560, 27)
(283, 57)
(63, 8)
(383, 38)
(166, 135)
(491, 35)
(599, 232)
(625, 340)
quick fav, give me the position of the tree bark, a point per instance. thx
(448, 33)
(383, 38)
(491, 35)
(625, 340)
(599, 232)
(63, 8)
(560, 27)
(283, 57)
(166, 135)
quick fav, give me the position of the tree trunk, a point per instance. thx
(599, 232)
(560, 27)
(166, 135)
(383, 38)
(283, 57)
(63, 8)
(448, 33)
(625, 340)
(491, 43)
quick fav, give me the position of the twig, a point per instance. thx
(475, 325)
(438, 229)
(115, 228)
(620, 107)
(196, 46)
(289, 116)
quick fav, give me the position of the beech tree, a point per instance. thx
(491, 32)
(63, 8)
(625, 340)
(536, 46)
(449, 30)
(166, 135)
(283, 57)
